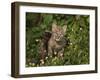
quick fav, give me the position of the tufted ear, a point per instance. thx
(54, 27)
(64, 28)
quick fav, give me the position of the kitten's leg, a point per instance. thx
(61, 53)
(50, 52)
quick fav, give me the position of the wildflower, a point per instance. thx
(46, 58)
(42, 61)
(37, 40)
(70, 43)
(80, 28)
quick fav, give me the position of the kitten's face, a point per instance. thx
(58, 32)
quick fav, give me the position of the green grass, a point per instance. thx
(76, 51)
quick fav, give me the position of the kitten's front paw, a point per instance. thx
(55, 53)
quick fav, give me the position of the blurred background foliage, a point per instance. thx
(76, 51)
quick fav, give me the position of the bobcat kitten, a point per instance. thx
(57, 41)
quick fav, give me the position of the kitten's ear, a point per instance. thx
(64, 28)
(54, 27)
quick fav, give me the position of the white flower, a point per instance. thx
(80, 28)
(70, 43)
(46, 57)
(37, 40)
(42, 61)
